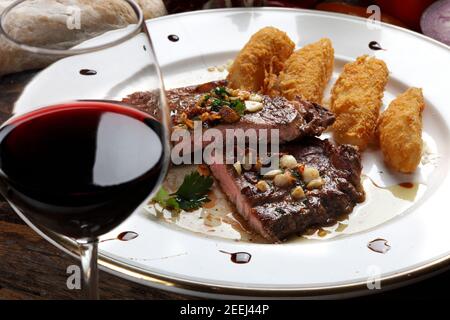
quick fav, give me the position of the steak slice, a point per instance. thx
(293, 119)
(274, 214)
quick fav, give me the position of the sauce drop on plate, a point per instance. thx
(404, 190)
(239, 257)
(173, 38)
(375, 46)
(88, 72)
(127, 236)
(124, 236)
(379, 245)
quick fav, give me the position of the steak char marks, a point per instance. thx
(293, 119)
(274, 214)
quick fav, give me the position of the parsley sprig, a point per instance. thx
(191, 195)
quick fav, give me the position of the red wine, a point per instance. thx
(80, 168)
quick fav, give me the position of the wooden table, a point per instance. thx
(31, 268)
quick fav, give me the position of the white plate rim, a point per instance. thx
(182, 285)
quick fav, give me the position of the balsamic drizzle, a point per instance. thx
(88, 72)
(375, 46)
(379, 245)
(173, 38)
(238, 257)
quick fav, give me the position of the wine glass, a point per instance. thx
(81, 160)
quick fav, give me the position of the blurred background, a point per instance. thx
(404, 13)
(430, 17)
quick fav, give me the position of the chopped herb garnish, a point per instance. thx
(221, 92)
(238, 106)
(215, 100)
(216, 103)
(190, 195)
(165, 200)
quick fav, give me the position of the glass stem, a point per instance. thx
(88, 252)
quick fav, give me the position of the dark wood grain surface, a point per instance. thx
(31, 268)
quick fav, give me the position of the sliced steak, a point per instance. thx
(293, 119)
(274, 214)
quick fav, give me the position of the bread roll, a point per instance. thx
(51, 18)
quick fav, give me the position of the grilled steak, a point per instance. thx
(294, 119)
(274, 213)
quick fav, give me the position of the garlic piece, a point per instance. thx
(253, 106)
(315, 184)
(298, 193)
(272, 173)
(309, 174)
(283, 180)
(262, 186)
(288, 161)
(237, 166)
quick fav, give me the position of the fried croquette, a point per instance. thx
(306, 72)
(356, 100)
(400, 131)
(261, 59)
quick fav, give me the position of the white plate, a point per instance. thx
(178, 260)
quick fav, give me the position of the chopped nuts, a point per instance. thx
(298, 193)
(241, 94)
(237, 166)
(253, 106)
(283, 180)
(179, 127)
(204, 117)
(189, 123)
(288, 161)
(258, 164)
(322, 233)
(300, 168)
(272, 173)
(255, 97)
(315, 184)
(262, 186)
(309, 174)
